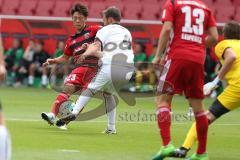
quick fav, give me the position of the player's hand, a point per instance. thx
(49, 62)
(156, 62)
(2, 72)
(81, 59)
(209, 87)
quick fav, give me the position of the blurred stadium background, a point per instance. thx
(49, 21)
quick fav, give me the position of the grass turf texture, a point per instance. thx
(137, 139)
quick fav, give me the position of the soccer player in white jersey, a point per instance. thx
(5, 144)
(113, 47)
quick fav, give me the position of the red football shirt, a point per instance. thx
(75, 42)
(191, 20)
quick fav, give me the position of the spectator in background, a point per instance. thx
(13, 57)
(147, 74)
(139, 56)
(24, 63)
(140, 59)
(58, 69)
(39, 57)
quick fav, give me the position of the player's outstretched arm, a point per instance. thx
(61, 59)
(93, 49)
(229, 57)
(163, 40)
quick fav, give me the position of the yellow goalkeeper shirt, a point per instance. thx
(233, 75)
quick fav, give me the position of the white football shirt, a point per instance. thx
(115, 39)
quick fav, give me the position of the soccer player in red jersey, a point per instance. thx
(75, 46)
(193, 28)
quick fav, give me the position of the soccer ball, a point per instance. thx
(65, 109)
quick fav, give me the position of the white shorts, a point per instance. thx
(5, 144)
(110, 79)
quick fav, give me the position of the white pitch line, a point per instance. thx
(69, 151)
(130, 122)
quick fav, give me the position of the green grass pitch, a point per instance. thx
(137, 138)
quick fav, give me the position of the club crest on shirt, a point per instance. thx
(86, 35)
(74, 41)
(77, 49)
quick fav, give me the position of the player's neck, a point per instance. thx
(81, 29)
(116, 23)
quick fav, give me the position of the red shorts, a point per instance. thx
(182, 76)
(81, 76)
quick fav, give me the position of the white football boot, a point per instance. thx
(49, 117)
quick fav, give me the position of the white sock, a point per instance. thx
(30, 80)
(44, 80)
(82, 101)
(5, 144)
(111, 110)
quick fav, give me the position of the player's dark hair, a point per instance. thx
(112, 12)
(20, 42)
(79, 8)
(231, 30)
(143, 47)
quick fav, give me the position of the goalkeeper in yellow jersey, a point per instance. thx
(228, 52)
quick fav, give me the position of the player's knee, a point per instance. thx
(107, 95)
(163, 100)
(217, 110)
(211, 118)
(69, 89)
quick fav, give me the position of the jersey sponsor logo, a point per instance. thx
(191, 3)
(192, 38)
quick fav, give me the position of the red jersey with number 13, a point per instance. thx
(191, 20)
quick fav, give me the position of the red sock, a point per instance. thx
(202, 129)
(164, 124)
(62, 97)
